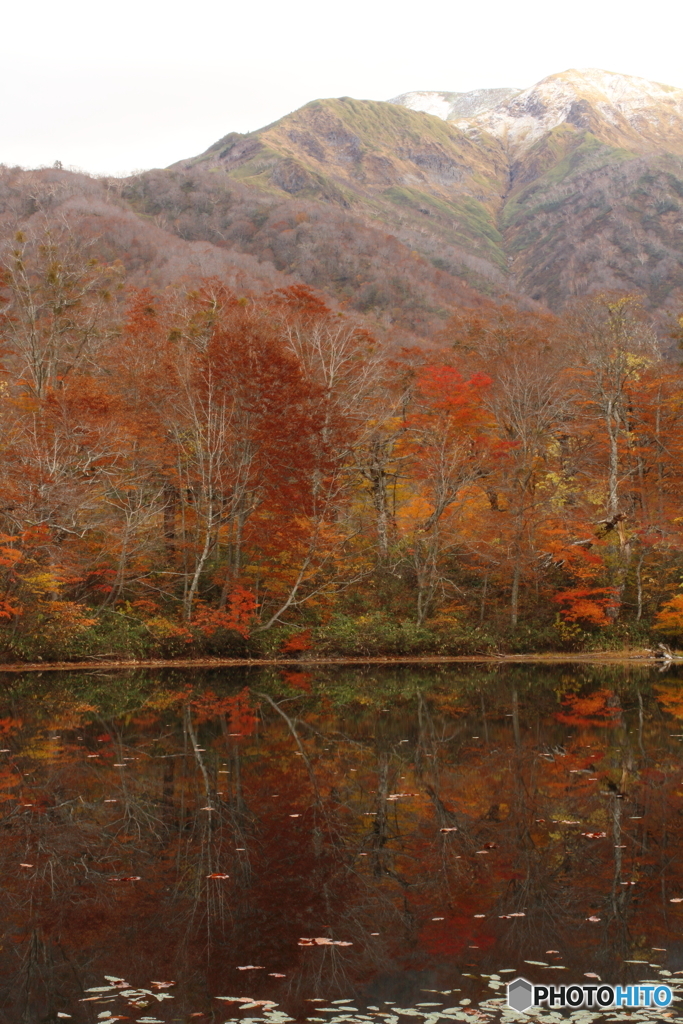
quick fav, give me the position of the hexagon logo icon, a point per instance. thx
(520, 995)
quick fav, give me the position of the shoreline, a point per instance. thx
(637, 656)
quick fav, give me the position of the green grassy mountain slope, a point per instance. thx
(572, 185)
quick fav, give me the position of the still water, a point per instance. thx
(351, 843)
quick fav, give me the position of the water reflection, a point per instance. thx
(339, 843)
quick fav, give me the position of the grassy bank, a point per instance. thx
(121, 636)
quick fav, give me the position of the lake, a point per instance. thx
(360, 843)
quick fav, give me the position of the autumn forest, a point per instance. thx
(192, 471)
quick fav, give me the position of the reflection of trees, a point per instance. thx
(457, 801)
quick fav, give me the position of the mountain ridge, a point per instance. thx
(539, 196)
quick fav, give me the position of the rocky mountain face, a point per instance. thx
(407, 209)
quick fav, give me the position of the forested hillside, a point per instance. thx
(192, 470)
(366, 380)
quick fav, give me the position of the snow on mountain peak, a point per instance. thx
(519, 118)
(451, 105)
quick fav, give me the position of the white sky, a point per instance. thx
(136, 84)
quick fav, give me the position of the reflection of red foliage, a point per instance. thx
(458, 930)
(237, 707)
(598, 708)
(299, 680)
(10, 725)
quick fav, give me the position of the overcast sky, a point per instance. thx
(117, 87)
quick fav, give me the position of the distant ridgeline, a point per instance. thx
(572, 186)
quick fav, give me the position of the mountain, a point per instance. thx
(407, 209)
(625, 112)
(595, 183)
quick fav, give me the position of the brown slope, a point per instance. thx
(94, 211)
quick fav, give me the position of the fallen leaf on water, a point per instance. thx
(592, 918)
(251, 967)
(490, 846)
(520, 913)
(26, 865)
(206, 808)
(272, 975)
(479, 915)
(589, 974)
(295, 815)
(448, 830)
(215, 874)
(594, 835)
(162, 984)
(677, 899)
(438, 919)
(323, 941)
(553, 951)
(126, 878)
